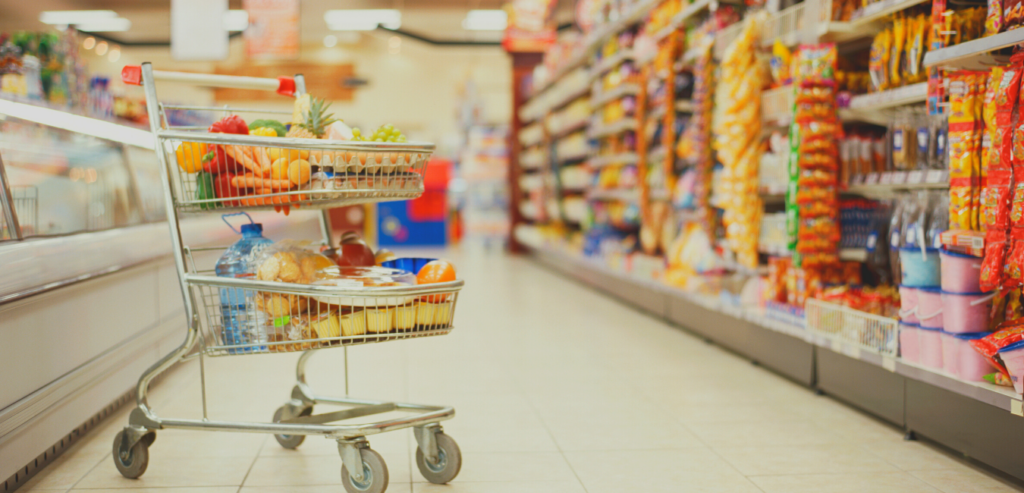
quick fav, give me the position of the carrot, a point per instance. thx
(239, 154)
(260, 183)
(263, 158)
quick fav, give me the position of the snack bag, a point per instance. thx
(1013, 268)
(878, 66)
(896, 59)
(994, 17)
(991, 276)
(1009, 332)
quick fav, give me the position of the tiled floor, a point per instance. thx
(558, 390)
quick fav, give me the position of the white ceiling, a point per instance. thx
(436, 19)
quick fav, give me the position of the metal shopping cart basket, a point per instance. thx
(328, 173)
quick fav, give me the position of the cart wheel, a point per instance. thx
(290, 441)
(375, 474)
(449, 461)
(132, 463)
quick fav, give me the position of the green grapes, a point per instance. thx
(384, 133)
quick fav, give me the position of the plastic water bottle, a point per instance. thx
(242, 326)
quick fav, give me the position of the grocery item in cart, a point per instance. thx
(240, 325)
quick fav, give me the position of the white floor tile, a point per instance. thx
(557, 389)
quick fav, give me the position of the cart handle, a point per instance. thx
(132, 74)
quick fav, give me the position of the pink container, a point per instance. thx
(966, 312)
(1013, 358)
(930, 348)
(908, 305)
(950, 352)
(929, 308)
(960, 273)
(910, 345)
(971, 365)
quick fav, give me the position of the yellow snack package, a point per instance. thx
(899, 40)
(960, 208)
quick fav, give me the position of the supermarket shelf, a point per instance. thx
(656, 113)
(657, 155)
(627, 123)
(684, 106)
(853, 254)
(775, 251)
(866, 22)
(595, 39)
(569, 97)
(884, 185)
(606, 64)
(679, 19)
(568, 158)
(528, 162)
(976, 54)
(570, 128)
(630, 195)
(598, 100)
(625, 158)
(872, 107)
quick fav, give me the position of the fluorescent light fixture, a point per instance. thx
(330, 41)
(89, 43)
(485, 20)
(362, 20)
(76, 16)
(236, 20)
(105, 26)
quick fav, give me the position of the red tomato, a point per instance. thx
(435, 272)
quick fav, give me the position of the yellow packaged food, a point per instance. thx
(960, 207)
(899, 39)
(879, 63)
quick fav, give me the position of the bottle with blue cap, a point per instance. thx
(240, 325)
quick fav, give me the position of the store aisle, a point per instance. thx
(557, 389)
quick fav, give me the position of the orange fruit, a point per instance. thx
(279, 169)
(434, 272)
(298, 171)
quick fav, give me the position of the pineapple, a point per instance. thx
(312, 120)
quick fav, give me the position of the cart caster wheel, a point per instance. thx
(449, 461)
(132, 463)
(375, 474)
(290, 441)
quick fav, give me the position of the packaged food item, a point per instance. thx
(1013, 268)
(1009, 333)
(879, 64)
(998, 378)
(994, 17)
(780, 62)
(899, 40)
(991, 276)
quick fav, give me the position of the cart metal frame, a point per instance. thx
(438, 456)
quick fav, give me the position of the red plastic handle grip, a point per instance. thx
(286, 86)
(132, 74)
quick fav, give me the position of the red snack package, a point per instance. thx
(989, 346)
(1013, 268)
(992, 265)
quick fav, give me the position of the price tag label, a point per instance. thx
(889, 363)
(977, 242)
(933, 176)
(886, 179)
(852, 351)
(1016, 407)
(837, 346)
(899, 177)
(916, 176)
(872, 179)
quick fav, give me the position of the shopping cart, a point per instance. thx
(232, 316)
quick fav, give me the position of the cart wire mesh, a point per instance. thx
(229, 172)
(874, 333)
(243, 316)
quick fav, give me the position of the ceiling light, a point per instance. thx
(101, 48)
(362, 20)
(106, 25)
(394, 42)
(89, 43)
(330, 41)
(485, 20)
(236, 20)
(115, 54)
(76, 16)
